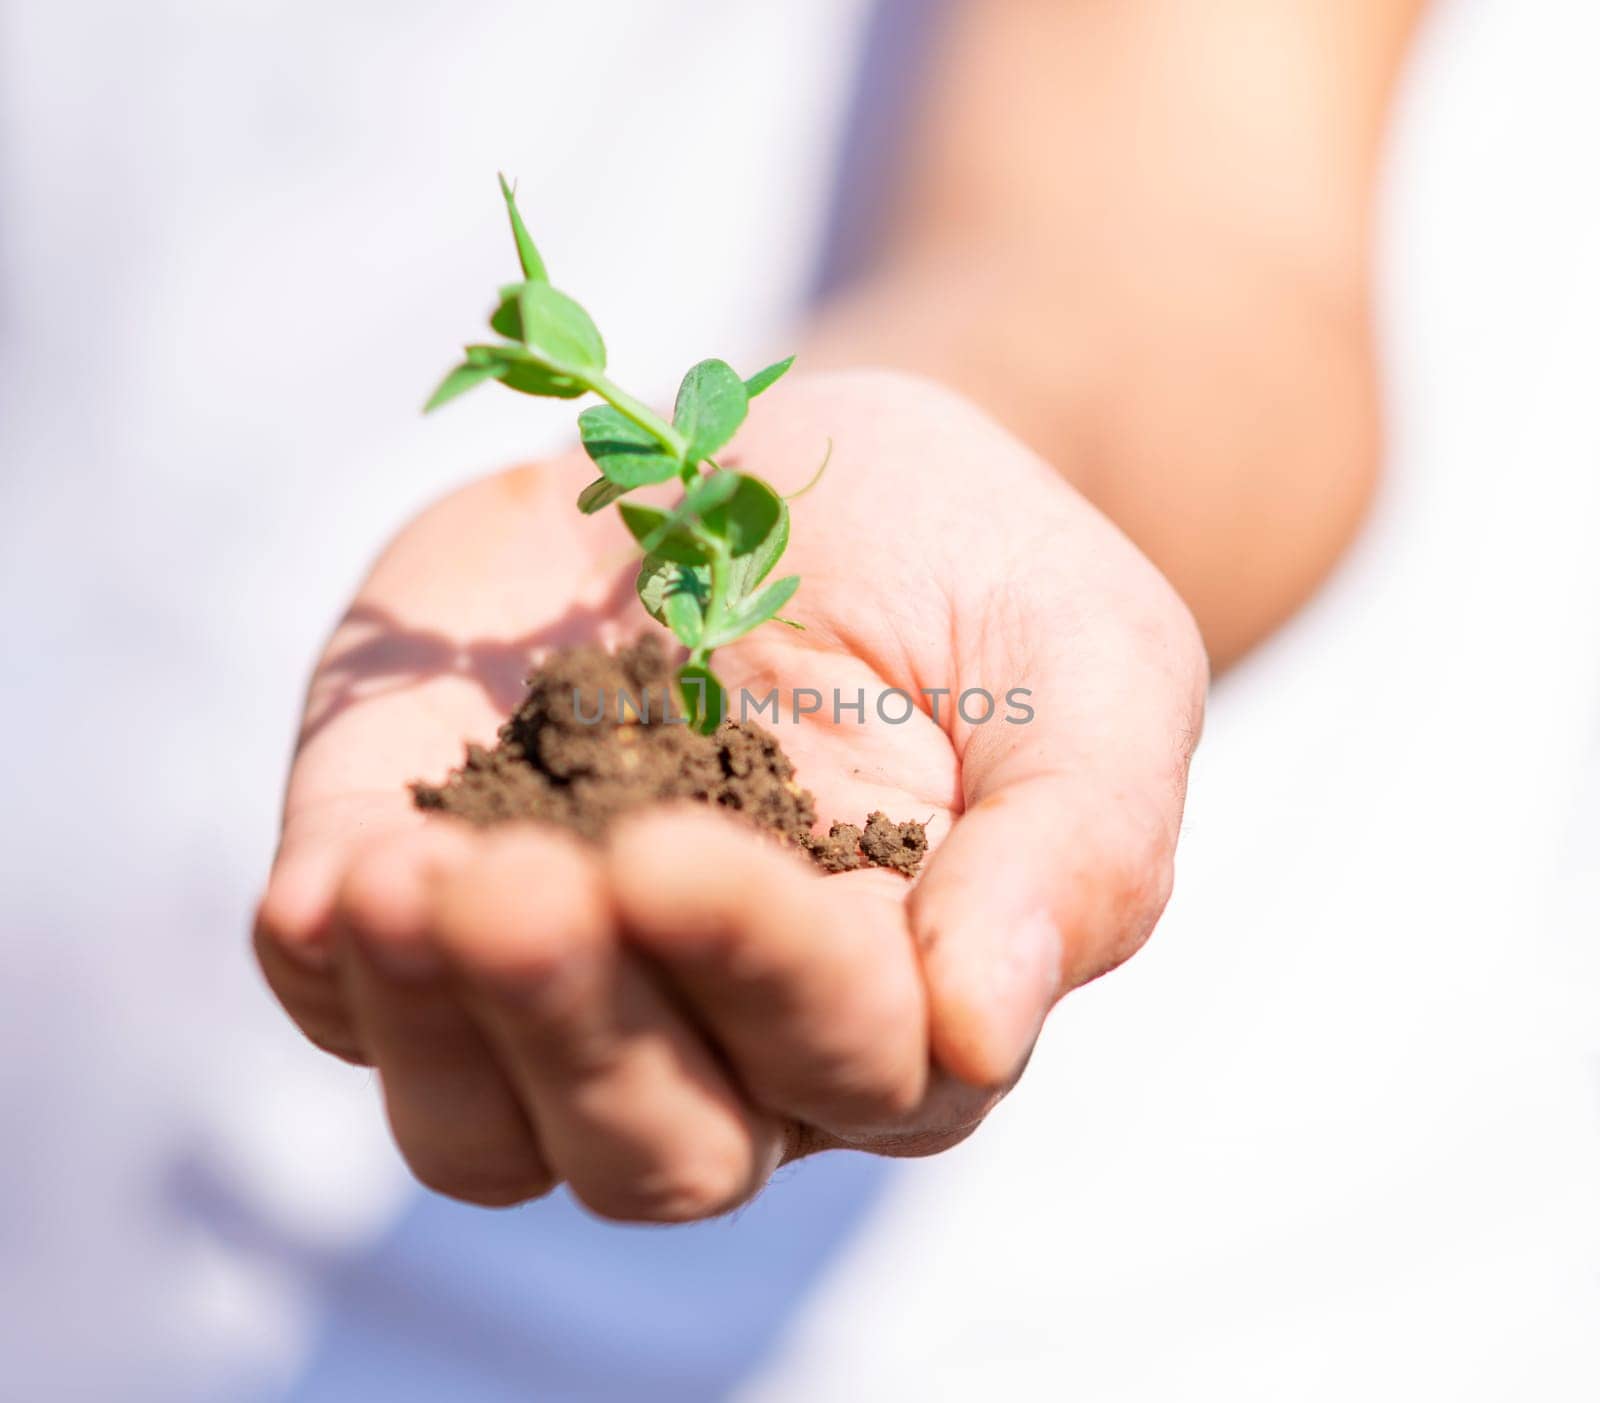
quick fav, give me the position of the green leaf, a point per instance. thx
(526, 373)
(704, 700)
(766, 604)
(661, 573)
(527, 253)
(660, 577)
(708, 492)
(645, 522)
(507, 315)
(505, 318)
(753, 521)
(558, 330)
(672, 532)
(530, 379)
(766, 379)
(598, 495)
(712, 403)
(753, 612)
(467, 376)
(750, 570)
(684, 616)
(625, 453)
(662, 532)
(748, 519)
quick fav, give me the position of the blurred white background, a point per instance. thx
(1335, 1134)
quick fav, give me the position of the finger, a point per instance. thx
(455, 1118)
(311, 997)
(1061, 862)
(809, 985)
(632, 1108)
(293, 930)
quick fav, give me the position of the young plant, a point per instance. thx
(706, 559)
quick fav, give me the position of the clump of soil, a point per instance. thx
(884, 843)
(591, 740)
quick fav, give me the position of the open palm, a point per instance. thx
(663, 1021)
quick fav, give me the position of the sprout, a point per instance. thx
(706, 561)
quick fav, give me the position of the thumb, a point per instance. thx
(1059, 866)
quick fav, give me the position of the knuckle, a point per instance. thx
(855, 1112)
(274, 920)
(284, 975)
(284, 923)
(547, 966)
(697, 912)
(373, 899)
(845, 1088)
(313, 1002)
(340, 1043)
(900, 1098)
(888, 1097)
(857, 1093)
(682, 1189)
(488, 1185)
(519, 937)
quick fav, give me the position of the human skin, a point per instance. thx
(1138, 233)
(663, 1021)
(1172, 310)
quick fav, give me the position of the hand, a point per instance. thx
(663, 1021)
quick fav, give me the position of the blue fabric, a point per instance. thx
(464, 1305)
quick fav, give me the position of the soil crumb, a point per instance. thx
(900, 846)
(591, 740)
(840, 851)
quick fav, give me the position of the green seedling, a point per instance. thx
(707, 559)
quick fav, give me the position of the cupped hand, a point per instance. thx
(662, 1021)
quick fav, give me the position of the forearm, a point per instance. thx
(1138, 234)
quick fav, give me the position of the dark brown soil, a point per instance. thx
(565, 757)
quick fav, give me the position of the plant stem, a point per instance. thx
(638, 413)
(718, 554)
(721, 563)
